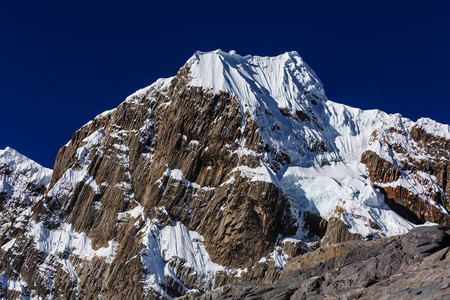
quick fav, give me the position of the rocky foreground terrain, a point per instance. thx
(413, 266)
(234, 170)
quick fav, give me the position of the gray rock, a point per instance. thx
(413, 266)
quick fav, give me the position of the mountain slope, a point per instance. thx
(221, 174)
(22, 184)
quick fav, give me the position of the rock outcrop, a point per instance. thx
(412, 266)
(415, 182)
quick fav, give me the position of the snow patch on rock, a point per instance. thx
(67, 240)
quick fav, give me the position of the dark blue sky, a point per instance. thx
(62, 63)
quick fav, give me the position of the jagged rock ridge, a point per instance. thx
(221, 174)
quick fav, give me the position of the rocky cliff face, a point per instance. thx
(415, 179)
(220, 175)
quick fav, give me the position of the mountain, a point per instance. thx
(22, 183)
(218, 175)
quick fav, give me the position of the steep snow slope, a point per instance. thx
(14, 163)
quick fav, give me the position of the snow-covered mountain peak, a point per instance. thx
(287, 100)
(35, 173)
(283, 81)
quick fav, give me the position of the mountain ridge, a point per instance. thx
(240, 163)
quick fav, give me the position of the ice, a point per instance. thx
(320, 190)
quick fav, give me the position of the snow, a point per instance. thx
(160, 85)
(105, 113)
(34, 172)
(174, 242)
(246, 152)
(177, 174)
(419, 185)
(147, 129)
(178, 241)
(320, 190)
(283, 78)
(434, 128)
(19, 176)
(154, 256)
(390, 223)
(72, 176)
(262, 173)
(136, 212)
(91, 182)
(67, 240)
(8, 245)
(279, 257)
(11, 285)
(68, 182)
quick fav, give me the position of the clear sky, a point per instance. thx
(64, 62)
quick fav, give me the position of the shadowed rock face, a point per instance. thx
(415, 265)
